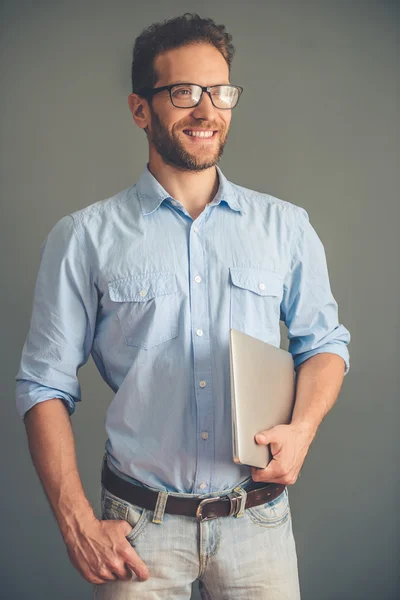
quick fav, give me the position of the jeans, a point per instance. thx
(251, 556)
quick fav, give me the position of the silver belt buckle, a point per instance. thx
(199, 511)
(235, 499)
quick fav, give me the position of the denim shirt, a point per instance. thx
(151, 294)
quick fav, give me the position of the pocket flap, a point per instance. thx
(142, 287)
(259, 281)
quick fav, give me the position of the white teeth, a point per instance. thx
(204, 134)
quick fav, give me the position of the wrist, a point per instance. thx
(74, 521)
(306, 428)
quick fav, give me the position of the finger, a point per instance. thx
(95, 579)
(124, 573)
(106, 574)
(269, 479)
(267, 436)
(134, 562)
(120, 569)
(271, 473)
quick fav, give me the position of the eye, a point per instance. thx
(181, 92)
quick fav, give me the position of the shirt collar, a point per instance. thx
(151, 193)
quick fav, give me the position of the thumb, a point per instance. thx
(265, 437)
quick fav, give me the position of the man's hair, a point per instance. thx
(174, 33)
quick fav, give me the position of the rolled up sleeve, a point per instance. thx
(308, 307)
(62, 325)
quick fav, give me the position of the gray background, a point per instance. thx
(318, 126)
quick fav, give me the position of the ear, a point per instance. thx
(139, 109)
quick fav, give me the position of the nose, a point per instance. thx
(206, 109)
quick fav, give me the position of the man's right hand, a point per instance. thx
(100, 551)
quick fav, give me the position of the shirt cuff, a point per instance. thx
(338, 349)
(29, 393)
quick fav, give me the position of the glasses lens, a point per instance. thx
(225, 96)
(185, 96)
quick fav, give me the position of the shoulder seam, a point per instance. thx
(77, 232)
(284, 204)
(299, 229)
(106, 204)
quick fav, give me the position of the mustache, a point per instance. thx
(203, 128)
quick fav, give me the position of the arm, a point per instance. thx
(58, 343)
(52, 447)
(318, 344)
(318, 384)
(97, 549)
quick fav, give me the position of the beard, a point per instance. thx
(173, 152)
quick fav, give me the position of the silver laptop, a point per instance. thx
(262, 394)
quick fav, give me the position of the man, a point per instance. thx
(149, 282)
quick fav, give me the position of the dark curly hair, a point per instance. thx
(174, 33)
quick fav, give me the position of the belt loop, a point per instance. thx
(160, 507)
(243, 497)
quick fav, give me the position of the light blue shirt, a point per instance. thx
(151, 294)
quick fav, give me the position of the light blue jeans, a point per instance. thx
(246, 557)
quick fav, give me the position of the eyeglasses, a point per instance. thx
(189, 95)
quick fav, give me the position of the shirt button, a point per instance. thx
(195, 229)
(197, 279)
(143, 292)
(202, 383)
(203, 486)
(199, 332)
(174, 202)
(204, 435)
(261, 286)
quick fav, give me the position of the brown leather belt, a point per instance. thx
(203, 510)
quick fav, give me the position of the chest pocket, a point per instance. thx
(147, 308)
(256, 295)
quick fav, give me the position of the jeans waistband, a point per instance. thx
(246, 484)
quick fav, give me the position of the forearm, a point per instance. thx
(318, 384)
(52, 447)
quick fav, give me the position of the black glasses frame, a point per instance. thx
(147, 92)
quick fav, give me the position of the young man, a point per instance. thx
(149, 282)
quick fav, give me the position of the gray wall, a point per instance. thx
(318, 126)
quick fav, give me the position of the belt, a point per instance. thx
(203, 510)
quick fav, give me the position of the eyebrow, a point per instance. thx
(193, 83)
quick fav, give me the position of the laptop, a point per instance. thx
(262, 394)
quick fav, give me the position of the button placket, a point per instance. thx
(202, 368)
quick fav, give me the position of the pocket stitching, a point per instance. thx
(122, 510)
(245, 278)
(139, 526)
(159, 283)
(268, 524)
(274, 521)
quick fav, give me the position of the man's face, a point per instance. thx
(202, 64)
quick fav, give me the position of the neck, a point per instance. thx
(193, 189)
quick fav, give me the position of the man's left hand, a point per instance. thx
(289, 445)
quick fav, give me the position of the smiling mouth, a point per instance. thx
(202, 135)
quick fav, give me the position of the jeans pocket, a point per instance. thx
(147, 307)
(116, 508)
(271, 514)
